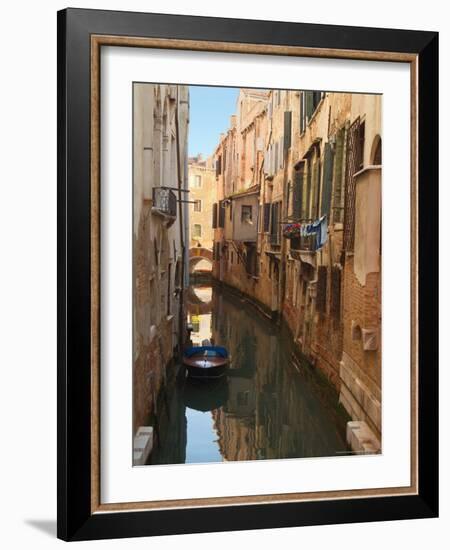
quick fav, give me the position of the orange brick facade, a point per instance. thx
(309, 154)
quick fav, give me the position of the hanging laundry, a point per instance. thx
(322, 232)
(318, 227)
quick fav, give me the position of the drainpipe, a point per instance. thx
(181, 229)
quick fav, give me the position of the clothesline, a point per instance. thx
(318, 227)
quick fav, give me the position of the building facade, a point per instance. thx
(202, 196)
(298, 229)
(160, 239)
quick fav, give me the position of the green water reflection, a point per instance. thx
(269, 406)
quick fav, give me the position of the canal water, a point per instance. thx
(270, 405)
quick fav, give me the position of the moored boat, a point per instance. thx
(206, 361)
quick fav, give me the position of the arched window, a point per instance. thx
(375, 157)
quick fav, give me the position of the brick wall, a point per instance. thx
(362, 308)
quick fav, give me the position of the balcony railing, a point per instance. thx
(307, 243)
(165, 201)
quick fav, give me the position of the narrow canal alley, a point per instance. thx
(269, 405)
(257, 250)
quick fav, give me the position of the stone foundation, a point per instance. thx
(359, 400)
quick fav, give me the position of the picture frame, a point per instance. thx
(81, 35)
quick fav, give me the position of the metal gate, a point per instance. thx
(351, 167)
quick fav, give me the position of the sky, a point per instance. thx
(209, 115)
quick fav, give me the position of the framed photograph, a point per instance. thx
(247, 256)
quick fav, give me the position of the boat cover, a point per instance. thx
(199, 350)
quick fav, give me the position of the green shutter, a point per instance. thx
(297, 195)
(287, 130)
(327, 180)
(338, 176)
(309, 104)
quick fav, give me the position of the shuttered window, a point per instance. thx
(221, 215)
(321, 296)
(361, 139)
(327, 180)
(219, 165)
(338, 196)
(302, 113)
(297, 195)
(214, 215)
(352, 166)
(307, 192)
(315, 188)
(287, 130)
(309, 108)
(275, 227)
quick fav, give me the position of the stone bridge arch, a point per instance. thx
(197, 254)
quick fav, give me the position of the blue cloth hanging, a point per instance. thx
(321, 232)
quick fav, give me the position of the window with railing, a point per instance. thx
(165, 201)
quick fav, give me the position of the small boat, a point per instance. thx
(206, 361)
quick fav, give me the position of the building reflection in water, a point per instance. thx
(270, 405)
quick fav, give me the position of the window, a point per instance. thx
(302, 113)
(197, 181)
(275, 226)
(214, 215)
(339, 173)
(221, 214)
(246, 213)
(315, 188)
(327, 179)
(297, 194)
(287, 131)
(197, 205)
(197, 231)
(251, 261)
(316, 97)
(361, 139)
(309, 101)
(219, 165)
(376, 151)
